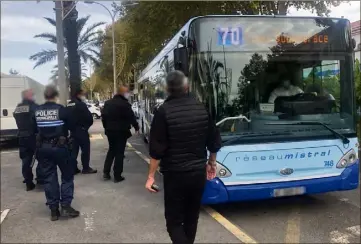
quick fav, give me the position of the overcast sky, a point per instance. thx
(21, 20)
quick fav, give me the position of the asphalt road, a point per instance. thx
(126, 213)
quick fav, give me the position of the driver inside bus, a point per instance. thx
(285, 90)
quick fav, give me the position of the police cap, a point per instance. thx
(50, 92)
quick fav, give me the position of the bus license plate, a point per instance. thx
(289, 191)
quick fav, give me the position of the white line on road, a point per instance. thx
(338, 237)
(14, 151)
(4, 214)
(235, 230)
(355, 230)
(89, 222)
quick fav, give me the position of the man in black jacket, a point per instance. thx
(83, 121)
(24, 115)
(181, 132)
(117, 118)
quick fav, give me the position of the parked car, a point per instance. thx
(95, 111)
(135, 108)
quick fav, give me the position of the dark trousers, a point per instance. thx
(182, 202)
(50, 157)
(82, 141)
(27, 147)
(117, 143)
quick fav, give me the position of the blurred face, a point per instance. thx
(81, 96)
(286, 84)
(29, 95)
(124, 91)
(186, 84)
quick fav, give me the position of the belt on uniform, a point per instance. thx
(50, 141)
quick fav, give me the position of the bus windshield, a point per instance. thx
(274, 70)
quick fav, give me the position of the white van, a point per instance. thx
(11, 88)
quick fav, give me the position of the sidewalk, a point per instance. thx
(117, 213)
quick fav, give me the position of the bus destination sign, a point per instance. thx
(234, 36)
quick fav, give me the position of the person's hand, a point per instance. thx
(211, 170)
(149, 183)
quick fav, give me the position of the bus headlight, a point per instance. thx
(348, 159)
(222, 171)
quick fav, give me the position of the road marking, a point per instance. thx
(5, 152)
(293, 226)
(95, 136)
(346, 200)
(236, 231)
(338, 237)
(4, 214)
(355, 230)
(89, 221)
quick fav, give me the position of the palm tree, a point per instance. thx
(89, 40)
(55, 73)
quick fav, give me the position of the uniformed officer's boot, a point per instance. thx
(30, 186)
(68, 211)
(55, 214)
(106, 176)
(89, 171)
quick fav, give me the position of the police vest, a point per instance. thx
(24, 120)
(49, 123)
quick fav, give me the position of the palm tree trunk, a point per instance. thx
(71, 37)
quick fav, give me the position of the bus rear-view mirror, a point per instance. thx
(181, 59)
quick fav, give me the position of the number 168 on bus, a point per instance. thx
(230, 36)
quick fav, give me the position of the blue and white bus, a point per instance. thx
(303, 140)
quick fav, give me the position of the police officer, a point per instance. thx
(25, 121)
(53, 122)
(83, 120)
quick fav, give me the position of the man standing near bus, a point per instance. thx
(181, 132)
(117, 118)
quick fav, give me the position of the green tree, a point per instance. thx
(88, 41)
(139, 26)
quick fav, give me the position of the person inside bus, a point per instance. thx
(285, 90)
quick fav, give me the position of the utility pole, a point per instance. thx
(62, 84)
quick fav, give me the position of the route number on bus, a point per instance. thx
(230, 36)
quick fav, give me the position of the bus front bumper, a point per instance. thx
(216, 192)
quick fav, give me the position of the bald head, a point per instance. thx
(27, 95)
(124, 91)
(177, 83)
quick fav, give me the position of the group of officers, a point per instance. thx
(53, 134)
(181, 132)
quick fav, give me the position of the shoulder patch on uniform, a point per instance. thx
(71, 104)
(22, 109)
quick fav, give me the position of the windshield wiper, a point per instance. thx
(230, 141)
(342, 137)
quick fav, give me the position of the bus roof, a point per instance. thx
(174, 41)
